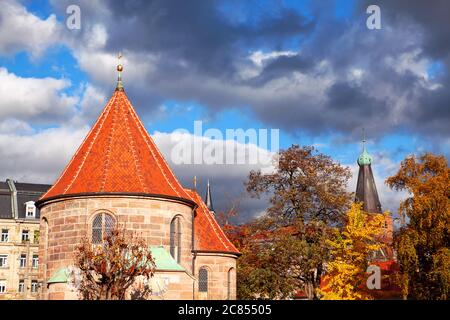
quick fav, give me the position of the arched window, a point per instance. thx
(102, 225)
(229, 280)
(175, 238)
(203, 280)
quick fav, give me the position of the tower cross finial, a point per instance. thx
(364, 138)
(119, 86)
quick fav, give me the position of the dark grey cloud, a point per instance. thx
(200, 54)
(343, 76)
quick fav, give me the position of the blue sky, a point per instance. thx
(332, 75)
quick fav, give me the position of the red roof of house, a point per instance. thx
(208, 234)
(117, 156)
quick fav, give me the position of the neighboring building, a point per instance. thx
(19, 239)
(119, 177)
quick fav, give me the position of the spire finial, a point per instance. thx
(208, 198)
(119, 86)
(364, 138)
(364, 158)
(195, 183)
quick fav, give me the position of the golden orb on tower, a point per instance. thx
(119, 67)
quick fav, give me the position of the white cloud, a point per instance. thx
(16, 126)
(101, 66)
(39, 157)
(21, 30)
(31, 98)
(167, 142)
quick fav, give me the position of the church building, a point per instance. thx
(118, 177)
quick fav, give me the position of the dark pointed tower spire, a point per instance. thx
(208, 199)
(366, 190)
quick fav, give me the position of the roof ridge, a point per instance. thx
(133, 151)
(147, 135)
(108, 151)
(92, 143)
(220, 233)
(102, 116)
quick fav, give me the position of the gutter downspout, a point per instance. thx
(193, 250)
(14, 206)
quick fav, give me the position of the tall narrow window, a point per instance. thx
(2, 286)
(175, 238)
(21, 286)
(203, 280)
(5, 235)
(25, 235)
(3, 260)
(229, 280)
(102, 225)
(23, 260)
(35, 261)
(34, 286)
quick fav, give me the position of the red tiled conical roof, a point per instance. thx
(208, 234)
(117, 156)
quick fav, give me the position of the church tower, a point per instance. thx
(366, 192)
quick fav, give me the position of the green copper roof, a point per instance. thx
(163, 260)
(59, 276)
(364, 158)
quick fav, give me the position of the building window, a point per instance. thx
(102, 225)
(25, 236)
(34, 286)
(30, 209)
(5, 235)
(3, 260)
(175, 238)
(21, 286)
(203, 280)
(35, 261)
(2, 286)
(23, 260)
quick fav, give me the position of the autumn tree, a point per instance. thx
(351, 249)
(423, 244)
(118, 265)
(307, 191)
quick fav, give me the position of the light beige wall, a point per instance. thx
(64, 223)
(218, 266)
(14, 248)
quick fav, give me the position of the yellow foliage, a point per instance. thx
(346, 274)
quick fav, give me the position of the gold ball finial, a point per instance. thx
(119, 66)
(119, 86)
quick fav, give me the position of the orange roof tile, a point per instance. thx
(117, 156)
(208, 234)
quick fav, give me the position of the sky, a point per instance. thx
(311, 69)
